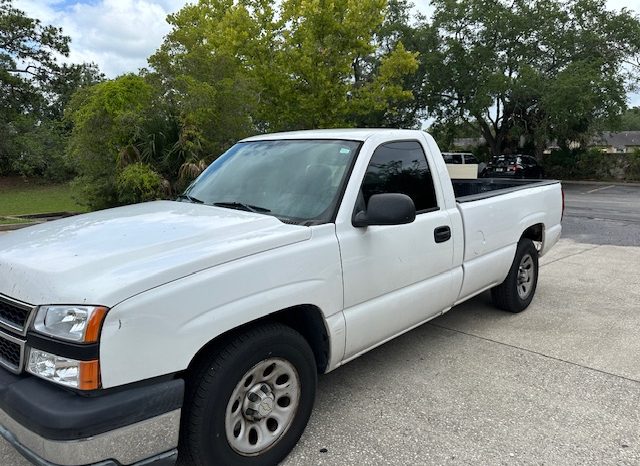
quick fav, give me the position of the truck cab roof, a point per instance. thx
(352, 134)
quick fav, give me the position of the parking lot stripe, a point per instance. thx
(600, 189)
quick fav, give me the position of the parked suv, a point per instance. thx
(513, 166)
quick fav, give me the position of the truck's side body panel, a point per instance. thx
(494, 225)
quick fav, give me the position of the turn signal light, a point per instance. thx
(83, 375)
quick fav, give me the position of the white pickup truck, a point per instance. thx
(202, 323)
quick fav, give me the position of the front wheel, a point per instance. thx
(517, 290)
(251, 401)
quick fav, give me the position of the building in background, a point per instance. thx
(624, 142)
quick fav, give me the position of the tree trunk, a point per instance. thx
(494, 143)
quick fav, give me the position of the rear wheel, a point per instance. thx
(517, 290)
(250, 402)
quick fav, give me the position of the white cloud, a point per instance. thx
(118, 35)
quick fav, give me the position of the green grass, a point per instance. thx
(19, 197)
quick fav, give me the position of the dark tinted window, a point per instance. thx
(400, 167)
(504, 160)
(470, 159)
(452, 158)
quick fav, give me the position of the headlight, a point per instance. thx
(84, 375)
(72, 323)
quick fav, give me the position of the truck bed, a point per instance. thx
(494, 213)
(473, 190)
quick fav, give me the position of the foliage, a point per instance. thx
(629, 121)
(26, 48)
(34, 89)
(40, 149)
(234, 68)
(138, 182)
(592, 165)
(115, 123)
(542, 69)
(632, 171)
(445, 131)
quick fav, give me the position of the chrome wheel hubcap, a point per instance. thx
(258, 402)
(526, 274)
(262, 406)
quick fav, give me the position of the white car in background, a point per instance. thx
(463, 165)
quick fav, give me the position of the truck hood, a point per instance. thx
(107, 256)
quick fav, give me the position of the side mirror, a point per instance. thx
(386, 209)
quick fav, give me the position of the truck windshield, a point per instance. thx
(297, 181)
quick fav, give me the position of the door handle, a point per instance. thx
(442, 234)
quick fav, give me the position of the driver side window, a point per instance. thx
(400, 167)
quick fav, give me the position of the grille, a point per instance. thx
(14, 315)
(11, 351)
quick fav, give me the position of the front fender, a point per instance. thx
(159, 332)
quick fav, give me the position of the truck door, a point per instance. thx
(397, 276)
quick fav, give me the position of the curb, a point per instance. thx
(16, 226)
(36, 219)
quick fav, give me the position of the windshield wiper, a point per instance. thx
(241, 206)
(186, 197)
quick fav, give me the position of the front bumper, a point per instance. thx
(51, 426)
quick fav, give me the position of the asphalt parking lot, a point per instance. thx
(602, 213)
(557, 384)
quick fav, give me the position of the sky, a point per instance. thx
(119, 35)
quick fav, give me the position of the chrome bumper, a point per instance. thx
(152, 441)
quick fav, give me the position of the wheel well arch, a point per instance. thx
(307, 319)
(535, 233)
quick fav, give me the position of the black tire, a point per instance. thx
(507, 296)
(204, 440)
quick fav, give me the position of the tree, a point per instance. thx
(34, 89)
(116, 123)
(541, 69)
(261, 65)
(629, 121)
(333, 70)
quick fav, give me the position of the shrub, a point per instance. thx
(37, 150)
(594, 165)
(94, 191)
(633, 169)
(138, 183)
(560, 164)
